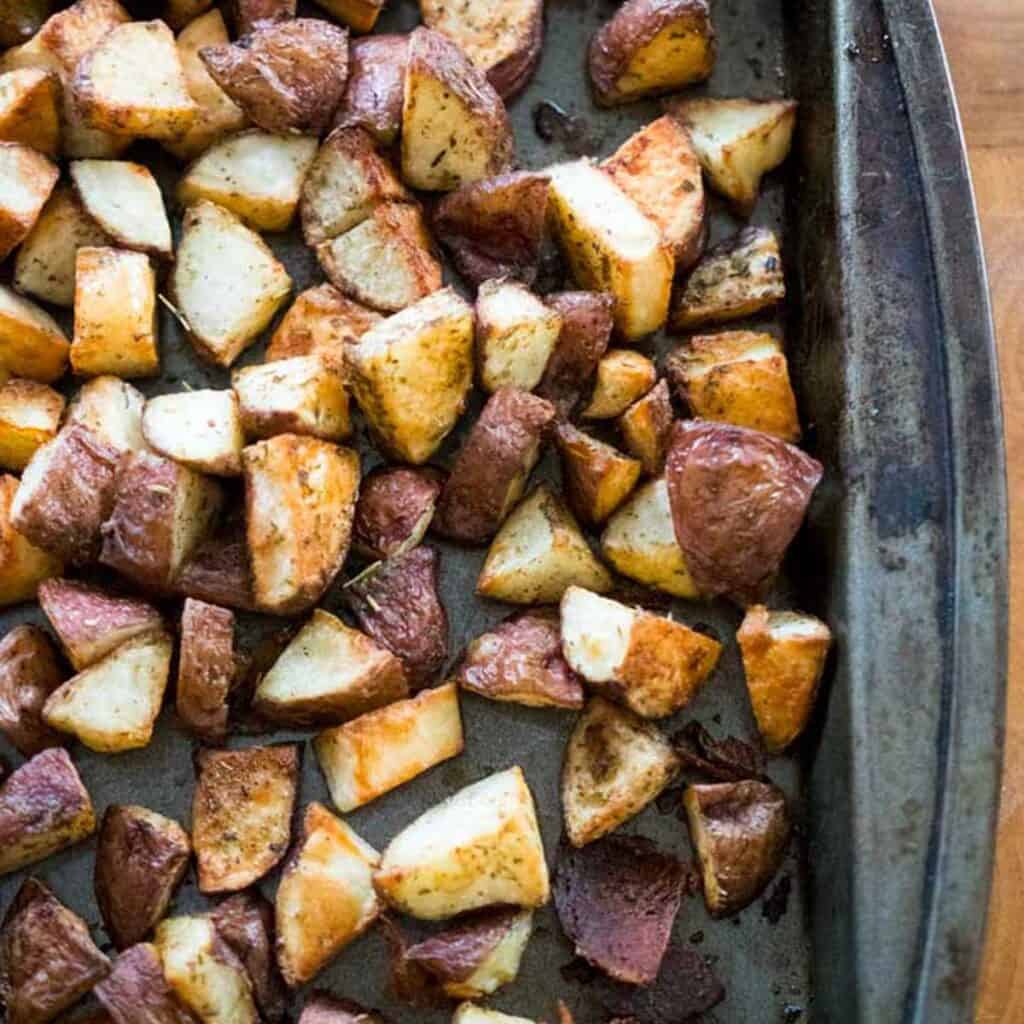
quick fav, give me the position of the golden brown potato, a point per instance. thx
(373, 96)
(112, 409)
(26, 181)
(218, 571)
(200, 429)
(650, 47)
(242, 813)
(136, 990)
(469, 1013)
(623, 377)
(23, 566)
(395, 509)
(598, 478)
(206, 669)
(359, 15)
(321, 321)
(247, 14)
(29, 673)
(178, 13)
(141, 858)
(32, 344)
(30, 109)
(645, 428)
(30, 415)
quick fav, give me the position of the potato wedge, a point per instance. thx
(218, 571)
(323, 1008)
(376, 81)
(112, 409)
(247, 14)
(598, 478)
(738, 141)
(327, 674)
(379, 751)
(115, 314)
(29, 673)
(141, 859)
(226, 282)
(30, 415)
(651, 664)
(326, 896)
(32, 343)
(537, 553)
(26, 180)
(478, 847)
(783, 659)
(470, 1013)
(206, 669)
(395, 509)
(645, 427)
(136, 990)
(23, 566)
(255, 175)
(200, 429)
(455, 129)
(412, 373)
(623, 377)
(242, 813)
(300, 496)
(112, 705)
(30, 109)
(321, 321)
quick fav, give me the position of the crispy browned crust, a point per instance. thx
(38, 173)
(323, 1008)
(206, 669)
(455, 953)
(218, 571)
(376, 81)
(396, 505)
(511, 76)
(29, 673)
(247, 14)
(136, 991)
(646, 426)
(598, 478)
(34, 120)
(320, 320)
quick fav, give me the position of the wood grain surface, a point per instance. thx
(985, 44)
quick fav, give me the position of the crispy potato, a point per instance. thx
(161, 513)
(738, 142)
(218, 571)
(640, 542)
(623, 377)
(23, 566)
(242, 813)
(300, 496)
(740, 831)
(650, 47)
(538, 552)
(783, 659)
(515, 335)
(649, 663)
(287, 77)
(32, 343)
(395, 508)
(478, 847)
(329, 673)
(645, 427)
(30, 415)
(520, 660)
(26, 181)
(359, 15)
(412, 373)
(323, 1008)
(455, 129)
(326, 896)
(90, 623)
(30, 109)
(141, 859)
(115, 314)
(321, 321)
(226, 282)
(200, 429)
(44, 808)
(21, 19)
(379, 751)
(376, 81)
(615, 765)
(598, 478)
(738, 498)
(206, 669)
(112, 409)
(255, 175)
(112, 705)
(48, 960)
(247, 14)
(136, 991)
(29, 673)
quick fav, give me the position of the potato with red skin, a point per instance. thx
(376, 81)
(738, 499)
(645, 427)
(395, 508)
(218, 570)
(247, 14)
(323, 1008)
(206, 669)
(136, 991)
(29, 673)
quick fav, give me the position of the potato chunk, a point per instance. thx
(649, 663)
(218, 571)
(323, 1008)
(395, 509)
(32, 344)
(206, 669)
(136, 990)
(26, 181)
(623, 377)
(321, 321)
(29, 673)
(30, 415)
(373, 95)
(200, 429)
(598, 478)
(470, 1013)
(30, 109)
(359, 15)
(247, 14)
(645, 427)
(112, 409)
(23, 566)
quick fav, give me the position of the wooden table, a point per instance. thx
(985, 43)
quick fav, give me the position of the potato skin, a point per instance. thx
(29, 673)
(455, 953)
(586, 330)
(247, 14)
(396, 505)
(373, 95)
(218, 571)
(136, 991)
(206, 669)
(323, 1008)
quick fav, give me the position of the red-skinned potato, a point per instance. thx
(218, 571)
(323, 1008)
(373, 95)
(206, 669)
(395, 508)
(645, 427)
(112, 409)
(29, 673)
(136, 991)
(247, 14)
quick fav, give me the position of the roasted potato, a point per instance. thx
(300, 496)
(178, 13)
(112, 409)
(30, 109)
(478, 847)
(738, 141)
(23, 566)
(376, 82)
(650, 47)
(44, 808)
(141, 859)
(30, 415)
(226, 283)
(112, 705)
(29, 673)
(537, 553)
(738, 498)
(455, 129)
(218, 571)
(740, 831)
(395, 508)
(287, 77)
(136, 991)
(329, 673)
(783, 658)
(21, 19)
(248, 14)
(649, 663)
(323, 1008)
(32, 344)
(598, 478)
(321, 321)
(26, 180)
(200, 429)
(615, 765)
(206, 669)
(645, 427)
(493, 466)
(470, 1013)
(326, 896)
(412, 373)
(254, 174)
(623, 377)
(242, 813)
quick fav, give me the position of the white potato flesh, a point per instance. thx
(200, 429)
(516, 334)
(32, 343)
(112, 409)
(500, 966)
(470, 1013)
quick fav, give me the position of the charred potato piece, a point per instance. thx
(645, 427)
(623, 377)
(112, 409)
(321, 321)
(29, 673)
(218, 571)
(136, 991)
(32, 343)
(247, 14)
(26, 181)
(200, 429)
(30, 415)
(323, 1008)
(376, 81)
(478, 847)
(23, 566)
(598, 478)
(615, 765)
(740, 831)
(206, 669)
(395, 509)
(141, 859)
(30, 109)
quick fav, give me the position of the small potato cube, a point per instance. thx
(247, 14)
(737, 377)
(206, 669)
(321, 321)
(515, 336)
(29, 673)
(649, 663)
(359, 15)
(218, 571)
(783, 658)
(326, 896)
(242, 813)
(623, 377)
(136, 990)
(323, 1008)
(23, 566)
(30, 415)
(598, 478)
(32, 345)
(395, 509)
(645, 427)
(26, 181)
(537, 553)
(115, 314)
(373, 95)
(200, 429)
(30, 109)
(112, 409)
(379, 751)
(112, 705)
